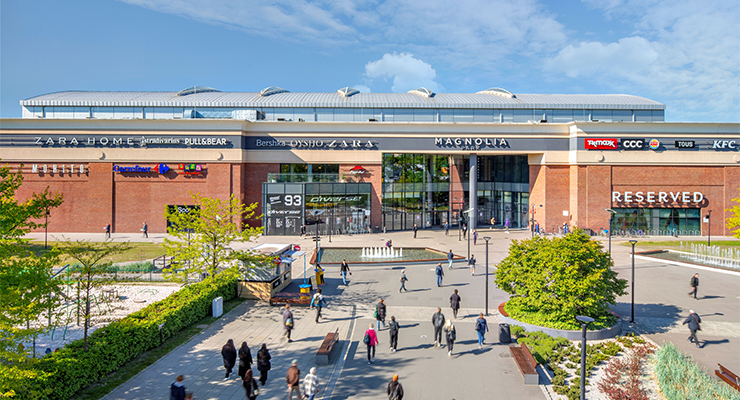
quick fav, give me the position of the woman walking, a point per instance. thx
(450, 336)
(245, 359)
(263, 363)
(250, 385)
(228, 352)
(371, 340)
(481, 326)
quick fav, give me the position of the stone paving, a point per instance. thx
(661, 304)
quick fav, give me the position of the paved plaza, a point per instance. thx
(661, 304)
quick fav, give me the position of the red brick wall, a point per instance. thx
(254, 176)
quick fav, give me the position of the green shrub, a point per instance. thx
(65, 372)
(141, 266)
(680, 378)
(517, 330)
(541, 345)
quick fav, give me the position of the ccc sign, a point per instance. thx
(633, 144)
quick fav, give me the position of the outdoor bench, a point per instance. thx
(322, 355)
(526, 363)
(290, 298)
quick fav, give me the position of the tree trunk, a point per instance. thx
(87, 317)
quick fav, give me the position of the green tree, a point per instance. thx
(92, 270)
(551, 281)
(204, 234)
(733, 221)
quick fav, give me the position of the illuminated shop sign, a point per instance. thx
(471, 143)
(58, 169)
(357, 170)
(130, 141)
(137, 169)
(654, 144)
(724, 144)
(318, 143)
(659, 198)
(685, 144)
(190, 169)
(633, 144)
(601, 144)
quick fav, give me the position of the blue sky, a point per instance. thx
(685, 54)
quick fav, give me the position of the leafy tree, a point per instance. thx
(92, 270)
(25, 278)
(551, 281)
(203, 236)
(733, 222)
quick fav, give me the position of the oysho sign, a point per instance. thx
(660, 198)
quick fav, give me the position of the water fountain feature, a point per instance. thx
(381, 252)
(714, 256)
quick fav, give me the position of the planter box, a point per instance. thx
(600, 334)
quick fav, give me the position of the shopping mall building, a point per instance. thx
(356, 162)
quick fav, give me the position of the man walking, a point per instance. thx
(447, 228)
(145, 230)
(106, 229)
(177, 389)
(403, 282)
(293, 378)
(475, 237)
(287, 322)
(450, 257)
(317, 301)
(393, 328)
(311, 384)
(694, 285)
(440, 274)
(380, 314)
(455, 303)
(465, 230)
(415, 229)
(471, 264)
(438, 321)
(395, 390)
(693, 320)
(344, 268)
(481, 326)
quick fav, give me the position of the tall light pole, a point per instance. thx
(709, 228)
(632, 316)
(611, 217)
(468, 233)
(486, 238)
(584, 324)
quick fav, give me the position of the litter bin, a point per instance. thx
(504, 333)
(305, 290)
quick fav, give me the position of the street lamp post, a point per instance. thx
(632, 316)
(459, 229)
(584, 324)
(611, 217)
(709, 228)
(486, 238)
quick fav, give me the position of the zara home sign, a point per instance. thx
(658, 198)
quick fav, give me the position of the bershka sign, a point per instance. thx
(658, 198)
(601, 144)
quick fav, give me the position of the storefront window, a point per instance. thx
(657, 221)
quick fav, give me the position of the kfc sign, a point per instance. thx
(601, 144)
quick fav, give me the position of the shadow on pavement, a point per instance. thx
(704, 343)
(655, 318)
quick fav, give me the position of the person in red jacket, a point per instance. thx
(371, 340)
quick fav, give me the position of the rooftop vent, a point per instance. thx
(347, 91)
(498, 92)
(196, 89)
(422, 91)
(269, 91)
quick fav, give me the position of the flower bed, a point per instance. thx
(681, 378)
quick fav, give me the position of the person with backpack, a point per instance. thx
(393, 328)
(450, 257)
(263, 363)
(455, 303)
(288, 322)
(438, 321)
(481, 326)
(380, 313)
(370, 340)
(245, 359)
(440, 274)
(318, 302)
(694, 285)
(395, 390)
(450, 336)
(228, 352)
(403, 281)
(471, 264)
(177, 389)
(693, 320)
(250, 385)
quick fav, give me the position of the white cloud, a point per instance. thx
(629, 57)
(362, 88)
(406, 72)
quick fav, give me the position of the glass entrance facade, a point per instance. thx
(657, 221)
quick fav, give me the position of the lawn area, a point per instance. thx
(138, 252)
(676, 244)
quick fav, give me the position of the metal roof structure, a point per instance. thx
(277, 97)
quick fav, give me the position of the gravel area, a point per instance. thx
(131, 297)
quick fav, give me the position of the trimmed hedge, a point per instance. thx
(680, 378)
(63, 373)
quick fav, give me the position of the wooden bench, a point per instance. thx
(727, 376)
(290, 298)
(322, 356)
(526, 363)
